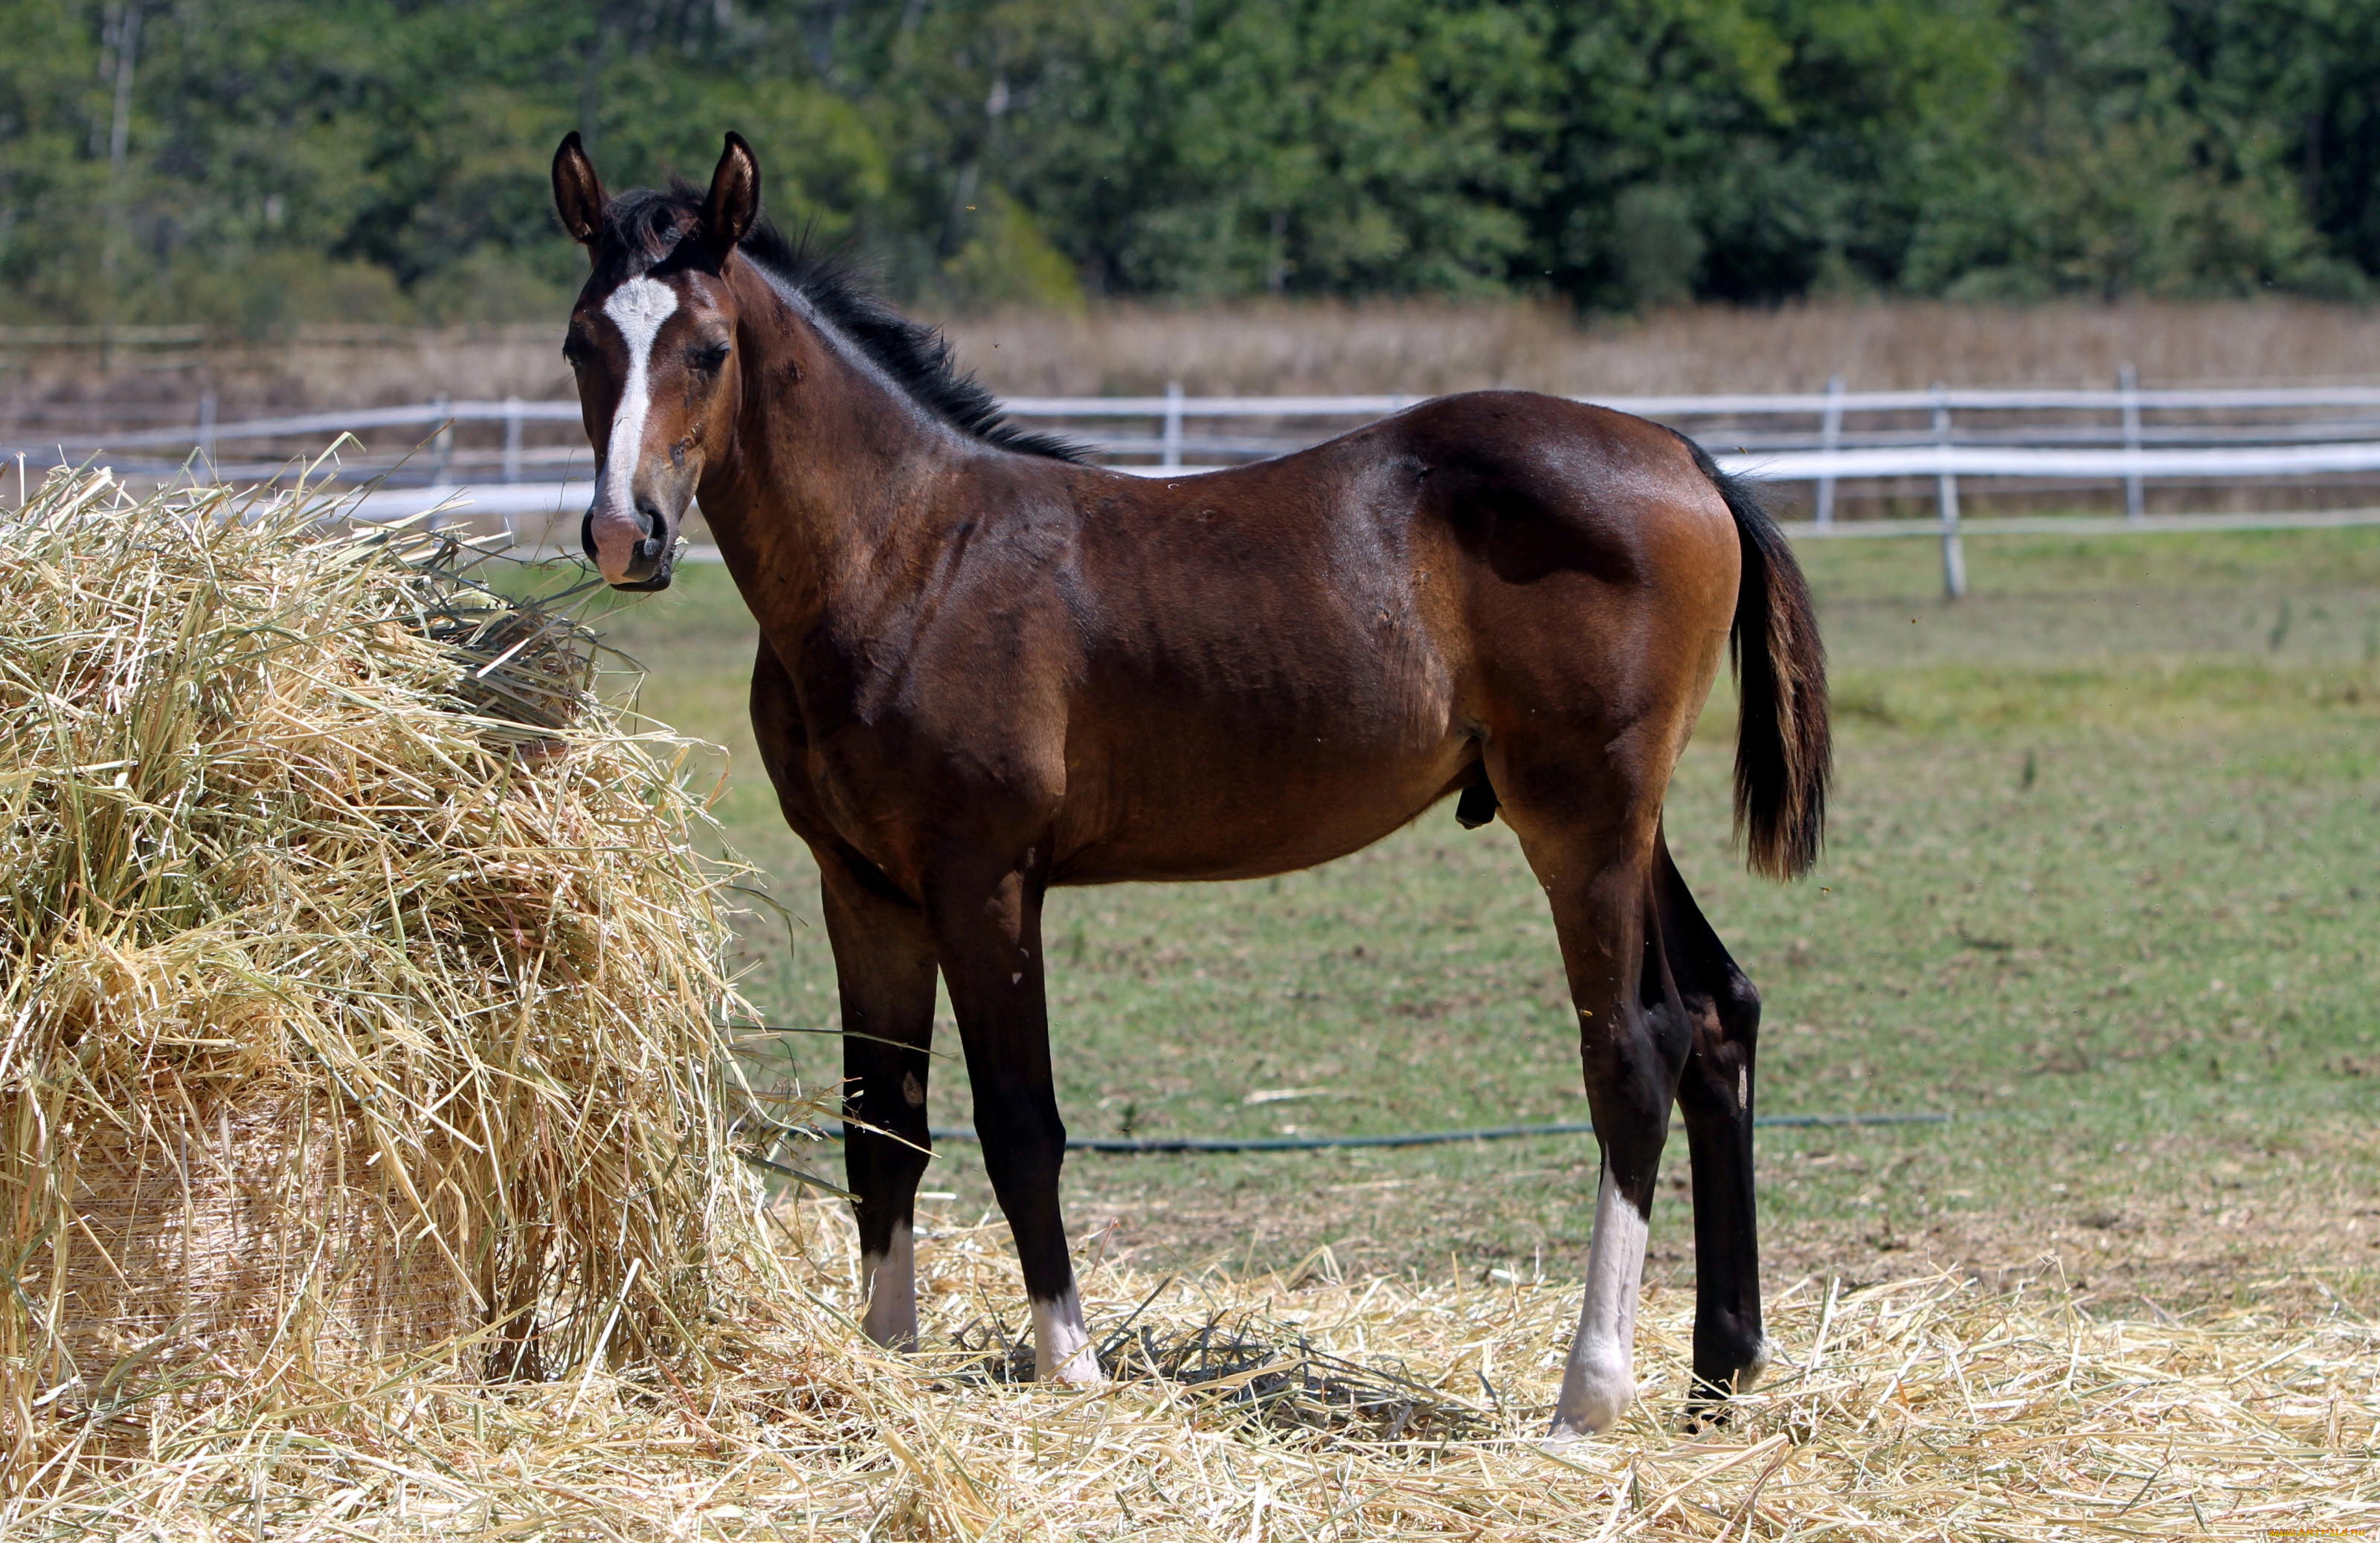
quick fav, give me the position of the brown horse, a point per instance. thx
(986, 668)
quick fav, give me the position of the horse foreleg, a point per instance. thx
(884, 972)
(988, 932)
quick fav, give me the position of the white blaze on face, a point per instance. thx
(1600, 1380)
(637, 307)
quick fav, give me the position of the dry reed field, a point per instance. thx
(379, 960)
(1417, 348)
(1424, 347)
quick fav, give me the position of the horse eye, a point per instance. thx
(709, 358)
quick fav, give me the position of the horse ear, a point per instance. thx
(578, 191)
(734, 200)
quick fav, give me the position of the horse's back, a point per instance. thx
(1527, 482)
(1520, 532)
(1524, 483)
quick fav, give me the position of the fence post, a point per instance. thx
(442, 451)
(512, 438)
(1172, 425)
(1830, 438)
(2128, 381)
(207, 433)
(1945, 493)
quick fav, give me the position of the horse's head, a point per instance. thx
(651, 340)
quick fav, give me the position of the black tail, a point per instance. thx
(1784, 748)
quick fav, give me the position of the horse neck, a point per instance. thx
(820, 495)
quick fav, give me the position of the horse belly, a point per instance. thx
(1231, 800)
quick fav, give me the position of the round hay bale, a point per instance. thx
(360, 991)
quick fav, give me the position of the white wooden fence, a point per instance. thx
(2088, 436)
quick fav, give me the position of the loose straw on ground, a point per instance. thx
(1921, 1409)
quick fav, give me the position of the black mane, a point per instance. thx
(643, 227)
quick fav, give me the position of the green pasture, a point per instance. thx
(2101, 886)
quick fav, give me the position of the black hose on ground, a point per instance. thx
(1411, 1138)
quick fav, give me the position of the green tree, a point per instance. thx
(366, 160)
(2118, 170)
(267, 162)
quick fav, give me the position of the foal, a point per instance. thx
(986, 668)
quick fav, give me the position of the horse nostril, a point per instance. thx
(650, 547)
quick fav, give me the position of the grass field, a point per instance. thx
(2101, 886)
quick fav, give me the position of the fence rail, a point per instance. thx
(1796, 437)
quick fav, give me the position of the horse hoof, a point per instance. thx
(1597, 1390)
(891, 1331)
(1080, 1371)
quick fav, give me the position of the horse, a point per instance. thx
(986, 667)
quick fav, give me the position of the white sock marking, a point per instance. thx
(1600, 1380)
(1061, 1344)
(1749, 1377)
(637, 307)
(891, 1280)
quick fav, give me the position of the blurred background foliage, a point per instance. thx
(257, 163)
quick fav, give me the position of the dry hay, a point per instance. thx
(1921, 1409)
(738, 1400)
(358, 986)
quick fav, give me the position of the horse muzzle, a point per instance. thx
(651, 555)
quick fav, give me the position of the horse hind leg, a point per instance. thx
(1596, 879)
(1714, 1095)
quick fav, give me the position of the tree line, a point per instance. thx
(261, 162)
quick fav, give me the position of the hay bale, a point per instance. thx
(359, 974)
